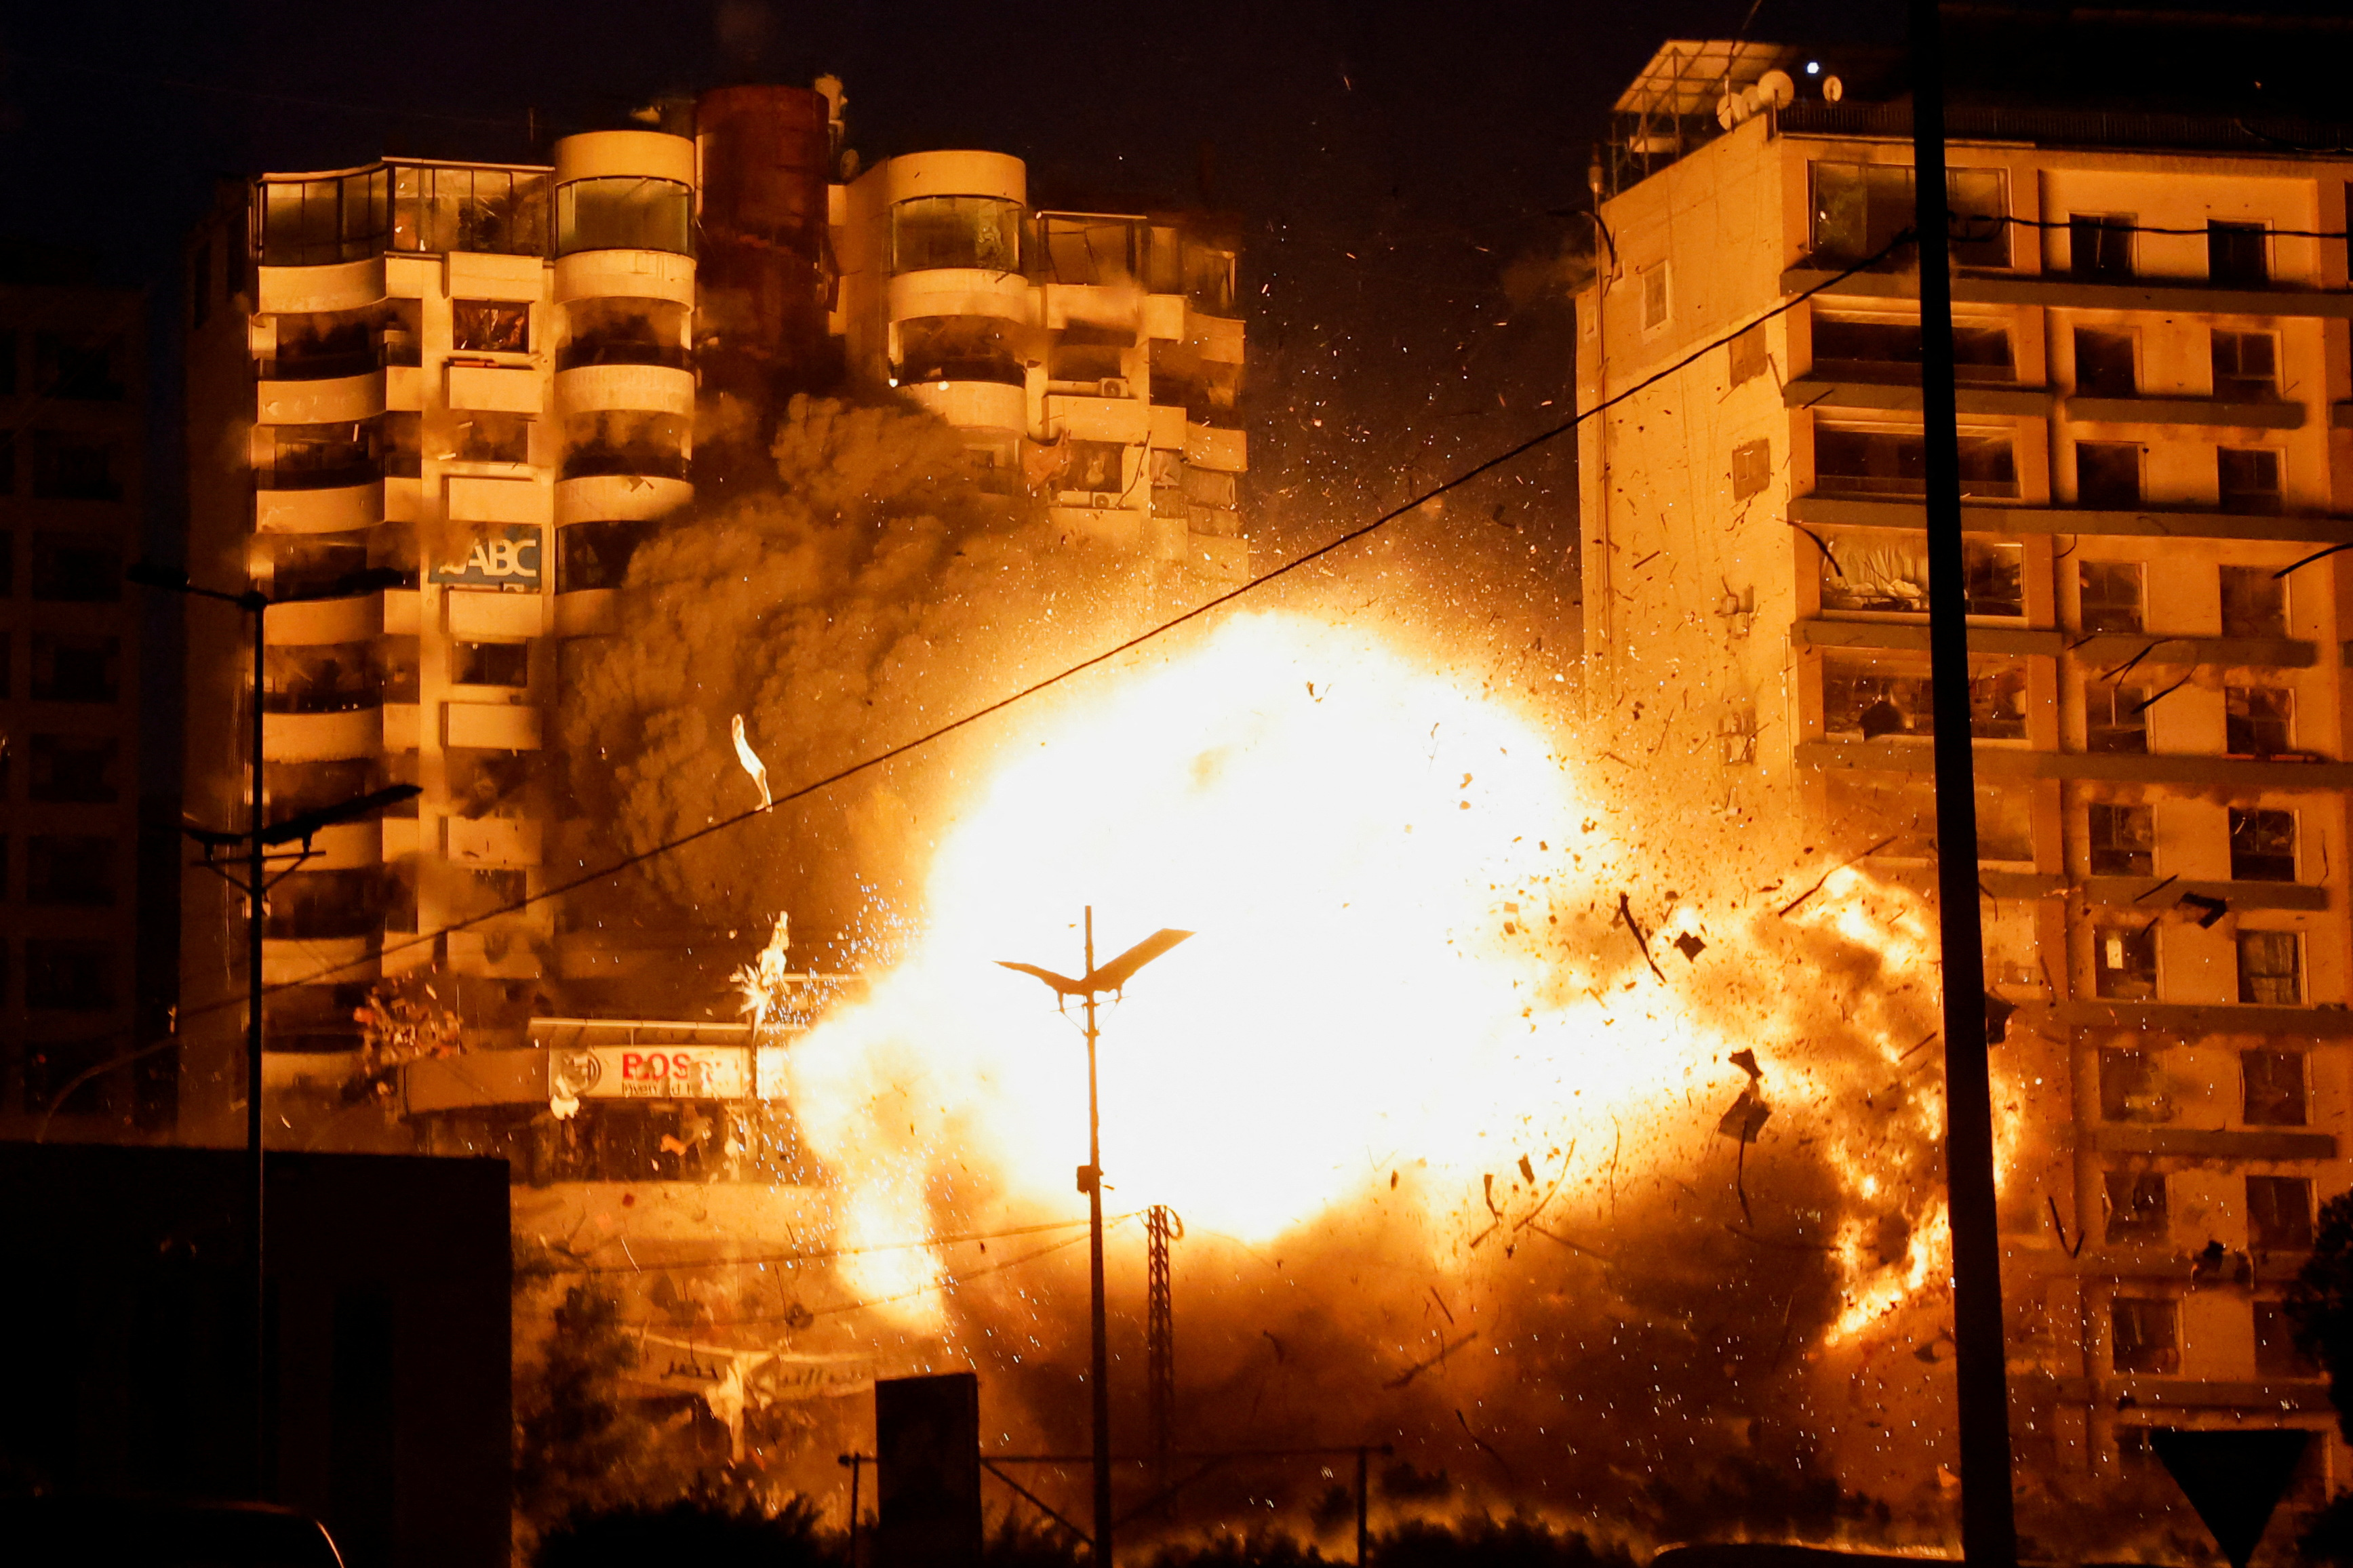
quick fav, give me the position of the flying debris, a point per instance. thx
(752, 763)
(1998, 1012)
(2209, 910)
(1690, 946)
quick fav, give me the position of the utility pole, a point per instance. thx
(1160, 1342)
(1989, 1524)
(1089, 987)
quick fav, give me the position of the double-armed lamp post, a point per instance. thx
(1090, 987)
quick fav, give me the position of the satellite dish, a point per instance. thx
(1728, 110)
(1776, 87)
(1832, 90)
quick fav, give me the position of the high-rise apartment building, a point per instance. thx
(495, 382)
(72, 413)
(2151, 324)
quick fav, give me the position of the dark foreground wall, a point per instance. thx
(126, 1309)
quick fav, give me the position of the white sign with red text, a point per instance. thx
(667, 1072)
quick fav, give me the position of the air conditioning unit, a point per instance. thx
(1114, 387)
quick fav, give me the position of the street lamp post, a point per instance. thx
(256, 842)
(1089, 987)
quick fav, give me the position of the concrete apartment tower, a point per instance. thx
(2151, 319)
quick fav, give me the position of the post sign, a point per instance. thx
(511, 559)
(654, 1072)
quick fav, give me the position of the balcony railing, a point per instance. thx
(581, 354)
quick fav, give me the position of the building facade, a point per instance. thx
(2151, 326)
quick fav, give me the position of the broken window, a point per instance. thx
(2246, 366)
(2258, 721)
(401, 433)
(2146, 1335)
(1085, 247)
(1998, 704)
(80, 367)
(331, 678)
(2247, 480)
(2005, 825)
(2100, 246)
(490, 664)
(1209, 487)
(615, 442)
(1096, 469)
(289, 789)
(624, 332)
(76, 568)
(69, 870)
(590, 555)
(1746, 353)
(2123, 962)
(2279, 1213)
(2277, 1354)
(491, 212)
(1868, 703)
(321, 222)
(959, 348)
(1994, 577)
(74, 464)
(2271, 969)
(2254, 603)
(1895, 462)
(2273, 1088)
(326, 906)
(2263, 844)
(401, 331)
(68, 667)
(68, 974)
(1751, 468)
(1980, 353)
(2104, 363)
(2108, 474)
(2122, 841)
(489, 326)
(1209, 280)
(479, 437)
(2111, 596)
(1874, 572)
(317, 566)
(325, 345)
(2136, 1205)
(1860, 208)
(1653, 279)
(627, 212)
(77, 770)
(2115, 718)
(316, 456)
(2238, 254)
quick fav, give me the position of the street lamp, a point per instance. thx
(1113, 977)
(257, 840)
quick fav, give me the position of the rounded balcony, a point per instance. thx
(972, 404)
(639, 388)
(321, 737)
(618, 498)
(341, 286)
(347, 846)
(330, 400)
(338, 509)
(962, 291)
(288, 961)
(307, 623)
(955, 172)
(625, 275)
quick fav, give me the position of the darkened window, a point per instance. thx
(597, 554)
(8, 363)
(72, 466)
(7, 462)
(489, 326)
(1746, 353)
(316, 456)
(2137, 1208)
(2108, 474)
(1887, 462)
(74, 871)
(2274, 1089)
(73, 769)
(401, 432)
(973, 348)
(2263, 844)
(76, 568)
(2111, 594)
(2104, 363)
(2147, 1336)
(326, 906)
(2271, 969)
(1209, 278)
(71, 669)
(499, 889)
(68, 976)
(1859, 700)
(289, 789)
(616, 442)
(2132, 1087)
(491, 212)
(1994, 578)
(314, 568)
(2258, 721)
(333, 677)
(78, 366)
(981, 232)
(2122, 841)
(2276, 1352)
(2100, 247)
(2246, 366)
(2115, 718)
(627, 332)
(493, 438)
(325, 346)
(2248, 478)
(2238, 254)
(2123, 962)
(1751, 468)
(2254, 603)
(2279, 1213)
(1093, 467)
(1860, 208)
(1980, 352)
(491, 663)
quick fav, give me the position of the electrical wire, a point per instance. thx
(816, 1255)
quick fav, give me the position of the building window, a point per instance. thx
(1655, 302)
(78, 366)
(590, 555)
(490, 664)
(1871, 703)
(2263, 844)
(2122, 841)
(2258, 721)
(7, 362)
(74, 769)
(2273, 1088)
(1751, 468)
(1083, 247)
(76, 568)
(71, 465)
(2115, 719)
(2099, 245)
(2108, 474)
(2123, 962)
(2279, 1213)
(1994, 578)
(1980, 353)
(1895, 462)
(1860, 208)
(65, 975)
(2147, 1336)
(613, 441)
(631, 331)
(2132, 1088)
(2103, 363)
(76, 669)
(2271, 969)
(318, 223)
(2248, 479)
(2247, 367)
(76, 871)
(1210, 280)
(2238, 254)
(316, 456)
(2136, 1205)
(978, 232)
(1998, 704)
(489, 212)
(2254, 603)
(489, 326)
(630, 212)
(1094, 469)
(2276, 1352)
(1746, 353)
(493, 438)
(969, 348)
(313, 678)
(2111, 594)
